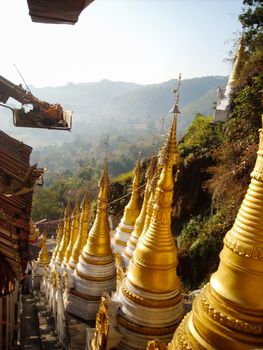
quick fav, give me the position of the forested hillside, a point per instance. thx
(122, 109)
(223, 157)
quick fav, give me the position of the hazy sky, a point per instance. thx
(142, 41)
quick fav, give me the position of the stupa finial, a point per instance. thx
(66, 235)
(43, 256)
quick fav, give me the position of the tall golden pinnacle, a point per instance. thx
(237, 64)
(154, 262)
(58, 240)
(73, 232)
(131, 212)
(43, 256)
(98, 242)
(82, 234)
(132, 209)
(151, 201)
(33, 233)
(228, 314)
(66, 235)
(139, 223)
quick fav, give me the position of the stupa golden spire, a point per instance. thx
(131, 212)
(82, 234)
(157, 247)
(98, 243)
(139, 223)
(150, 294)
(73, 232)
(236, 67)
(151, 201)
(43, 256)
(58, 240)
(228, 314)
(33, 233)
(95, 271)
(66, 235)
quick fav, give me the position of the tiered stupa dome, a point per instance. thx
(228, 314)
(82, 233)
(33, 233)
(73, 234)
(66, 236)
(59, 234)
(151, 303)
(139, 223)
(131, 212)
(43, 256)
(95, 272)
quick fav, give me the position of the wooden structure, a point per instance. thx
(16, 176)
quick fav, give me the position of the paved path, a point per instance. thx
(30, 336)
(37, 326)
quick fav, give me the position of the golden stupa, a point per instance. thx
(73, 233)
(95, 271)
(228, 314)
(59, 233)
(43, 256)
(151, 201)
(33, 232)
(66, 236)
(139, 223)
(236, 67)
(98, 242)
(131, 212)
(82, 234)
(151, 302)
(156, 249)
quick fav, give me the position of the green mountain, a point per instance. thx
(131, 113)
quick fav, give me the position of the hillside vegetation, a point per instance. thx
(231, 152)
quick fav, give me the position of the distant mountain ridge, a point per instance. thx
(107, 105)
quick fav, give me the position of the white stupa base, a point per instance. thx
(60, 269)
(60, 318)
(121, 237)
(71, 265)
(150, 316)
(94, 279)
(128, 251)
(136, 341)
(145, 316)
(83, 306)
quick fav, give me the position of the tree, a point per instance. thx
(46, 204)
(252, 22)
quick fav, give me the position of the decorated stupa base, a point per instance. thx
(215, 321)
(146, 316)
(82, 305)
(91, 279)
(128, 251)
(138, 341)
(94, 275)
(121, 237)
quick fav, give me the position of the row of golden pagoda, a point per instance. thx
(146, 297)
(127, 281)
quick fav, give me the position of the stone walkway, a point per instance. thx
(37, 326)
(30, 336)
